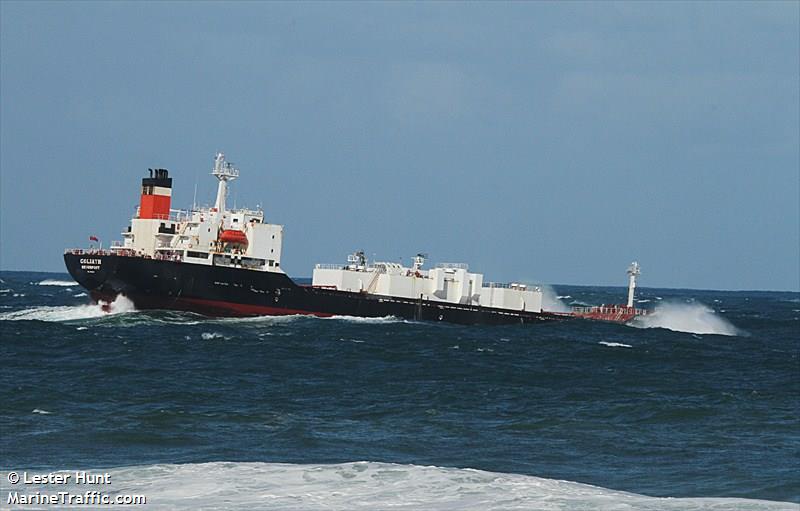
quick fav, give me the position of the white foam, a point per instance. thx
(615, 344)
(41, 412)
(54, 282)
(253, 319)
(79, 295)
(357, 319)
(551, 302)
(69, 313)
(370, 485)
(207, 336)
(294, 317)
(694, 318)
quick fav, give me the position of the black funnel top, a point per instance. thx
(158, 177)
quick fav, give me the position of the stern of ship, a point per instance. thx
(95, 270)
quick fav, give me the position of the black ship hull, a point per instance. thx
(230, 291)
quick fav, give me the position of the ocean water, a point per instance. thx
(695, 407)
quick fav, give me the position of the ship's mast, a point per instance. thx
(225, 172)
(633, 272)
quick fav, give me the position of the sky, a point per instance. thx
(549, 142)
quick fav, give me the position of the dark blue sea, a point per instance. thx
(698, 407)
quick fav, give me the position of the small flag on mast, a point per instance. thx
(93, 238)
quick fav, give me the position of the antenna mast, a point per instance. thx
(633, 272)
(225, 172)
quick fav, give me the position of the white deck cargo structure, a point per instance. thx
(447, 282)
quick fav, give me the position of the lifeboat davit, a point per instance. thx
(233, 236)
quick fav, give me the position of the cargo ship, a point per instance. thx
(227, 262)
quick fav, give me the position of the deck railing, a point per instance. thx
(174, 215)
(454, 266)
(511, 285)
(609, 309)
(125, 252)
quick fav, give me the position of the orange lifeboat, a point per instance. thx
(233, 236)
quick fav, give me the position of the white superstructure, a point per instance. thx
(447, 282)
(208, 235)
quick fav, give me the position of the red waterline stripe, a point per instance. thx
(210, 306)
(251, 310)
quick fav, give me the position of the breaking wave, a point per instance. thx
(551, 301)
(54, 282)
(371, 485)
(71, 312)
(694, 318)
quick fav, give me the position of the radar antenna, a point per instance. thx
(419, 260)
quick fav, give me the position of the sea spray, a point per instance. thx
(551, 301)
(694, 318)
